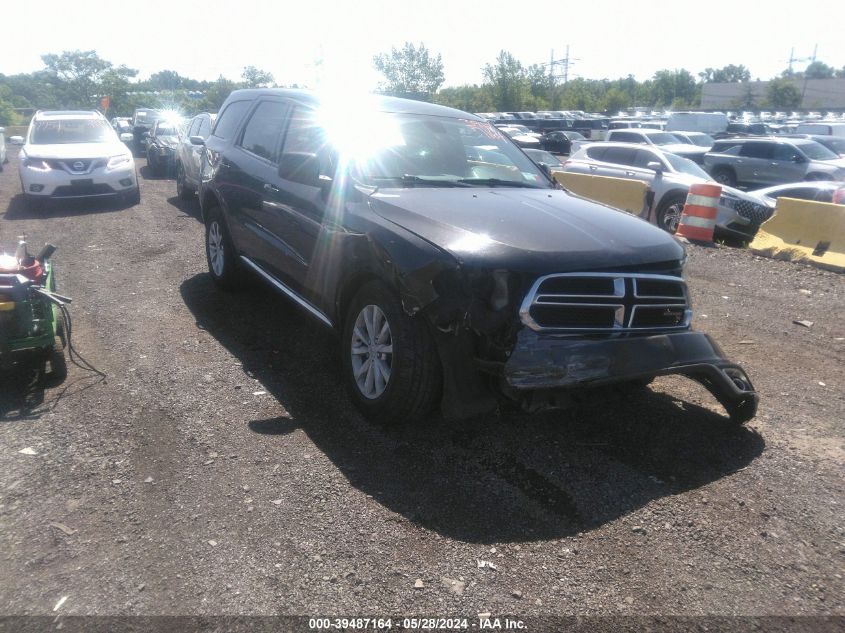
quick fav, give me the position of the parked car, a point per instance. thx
(745, 129)
(831, 128)
(835, 144)
(521, 138)
(3, 159)
(162, 141)
(545, 159)
(560, 142)
(664, 140)
(669, 176)
(75, 154)
(189, 154)
(623, 124)
(707, 122)
(450, 283)
(818, 191)
(770, 161)
(695, 138)
(142, 122)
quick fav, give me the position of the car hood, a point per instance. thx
(76, 150)
(835, 163)
(530, 230)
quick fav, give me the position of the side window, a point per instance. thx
(230, 118)
(195, 125)
(204, 128)
(784, 152)
(643, 158)
(620, 155)
(626, 137)
(758, 150)
(304, 135)
(596, 153)
(264, 129)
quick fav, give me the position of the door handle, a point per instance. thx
(593, 168)
(629, 173)
(270, 188)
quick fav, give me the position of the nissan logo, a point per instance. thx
(78, 165)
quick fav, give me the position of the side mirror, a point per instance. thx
(655, 167)
(197, 140)
(300, 167)
(16, 140)
(127, 137)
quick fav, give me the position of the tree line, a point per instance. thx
(79, 79)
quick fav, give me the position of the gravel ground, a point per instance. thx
(221, 469)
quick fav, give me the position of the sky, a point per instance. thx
(329, 42)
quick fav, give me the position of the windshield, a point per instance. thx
(834, 144)
(166, 130)
(702, 140)
(575, 136)
(410, 149)
(61, 131)
(541, 156)
(816, 151)
(663, 138)
(686, 166)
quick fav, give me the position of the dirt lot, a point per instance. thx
(220, 467)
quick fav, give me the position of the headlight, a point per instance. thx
(37, 164)
(118, 161)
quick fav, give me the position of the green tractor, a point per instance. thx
(32, 315)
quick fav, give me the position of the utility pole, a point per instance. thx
(812, 61)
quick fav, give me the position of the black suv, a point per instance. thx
(454, 270)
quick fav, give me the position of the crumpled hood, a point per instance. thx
(530, 230)
(63, 151)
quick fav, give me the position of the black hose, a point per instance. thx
(75, 357)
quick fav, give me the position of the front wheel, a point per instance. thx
(670, 213)
(390, 361)
(183, 191)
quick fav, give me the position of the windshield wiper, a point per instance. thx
(412, 179)
(499, 182)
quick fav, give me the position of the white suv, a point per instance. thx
(75, 154)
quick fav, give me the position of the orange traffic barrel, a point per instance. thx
(699, 218)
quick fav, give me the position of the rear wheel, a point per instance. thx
(220, 253)
(670, 212)
(390, 361)
(725, 176)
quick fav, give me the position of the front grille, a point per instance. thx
(72, 191)
(76, 165)
(606, 302)
(757, 213)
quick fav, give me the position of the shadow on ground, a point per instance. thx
(190, 207)
(506, 477)
(19, 210)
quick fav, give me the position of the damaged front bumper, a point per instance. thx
(540, 362)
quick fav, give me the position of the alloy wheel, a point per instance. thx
(372, 352)
(215, 248)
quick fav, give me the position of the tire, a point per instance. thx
(220, 254)
(183, 191)
(724, 176)
(413, 385)
(670, 212)
(131, 199)
(57, 361)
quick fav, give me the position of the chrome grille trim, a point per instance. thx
(627, 296)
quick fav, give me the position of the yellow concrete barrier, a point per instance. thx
(622, 193)
(806, 231)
